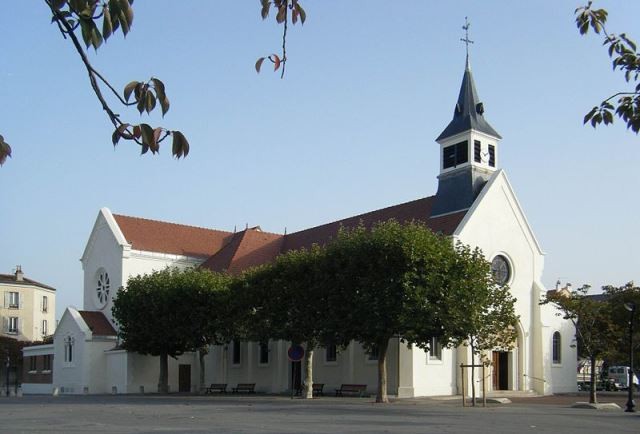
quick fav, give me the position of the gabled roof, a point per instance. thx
(11, 278)
(469, 111)
(235, 252)
(164, 237)
(418, 210)
(97, 323)
(246, 249)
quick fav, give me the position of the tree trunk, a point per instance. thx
(473, 375)
(592, 393)
(381, 396)
(163, 378)
(308, 371)
(201, 353)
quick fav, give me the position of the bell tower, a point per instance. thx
(468, 148)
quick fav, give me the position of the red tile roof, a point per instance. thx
(98, 323)
(418, 210)
(234, 252)
(246, 249)
(158, 236)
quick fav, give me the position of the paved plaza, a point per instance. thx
(276, 414)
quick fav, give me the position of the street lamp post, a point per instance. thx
(631, 307)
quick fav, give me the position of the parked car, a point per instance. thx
(620, 376)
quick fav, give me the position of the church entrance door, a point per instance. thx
(500, 375)
(184, 378)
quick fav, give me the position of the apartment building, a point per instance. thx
(27, 307)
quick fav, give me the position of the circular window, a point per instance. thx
(500, 269)
(103, 287)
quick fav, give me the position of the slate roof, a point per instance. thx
(158, 236)
(97, 323)
(235, 252)
(469, 111)
(11, 278)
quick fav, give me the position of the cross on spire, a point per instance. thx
(466, 39)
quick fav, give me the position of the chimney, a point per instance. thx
(19, 273)
(558, 285)
(569, 287)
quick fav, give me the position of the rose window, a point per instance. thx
(102, 289)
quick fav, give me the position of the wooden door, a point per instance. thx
(500, 372)
(184, 378)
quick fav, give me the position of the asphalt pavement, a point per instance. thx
(278, 414)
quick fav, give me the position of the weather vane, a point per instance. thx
(466, 39)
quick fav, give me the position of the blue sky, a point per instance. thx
(351, 128)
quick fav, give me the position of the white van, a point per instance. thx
(620, 375)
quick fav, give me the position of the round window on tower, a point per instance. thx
(103, 288)
(501, 270)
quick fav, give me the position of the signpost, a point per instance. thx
(295, 354)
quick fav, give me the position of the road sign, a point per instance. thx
(295, 353)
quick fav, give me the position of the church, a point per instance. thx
(474, 204)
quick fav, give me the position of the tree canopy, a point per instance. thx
(171, 311)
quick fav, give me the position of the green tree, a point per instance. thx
(288, 300)
(617, 297)
(389, 282)
(624, 58)
(169, 312)
(478, 313)
(596, 333)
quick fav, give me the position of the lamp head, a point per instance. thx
(630, 306)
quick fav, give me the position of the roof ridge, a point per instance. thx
(361, 215)
(173, 223)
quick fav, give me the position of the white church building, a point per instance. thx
(474, 204)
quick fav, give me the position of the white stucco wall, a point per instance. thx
(559, 377)
(69, 377)
(434, 377)
(497, 225)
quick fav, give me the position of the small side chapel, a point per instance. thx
(474, 204)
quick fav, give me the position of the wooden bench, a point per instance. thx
(220, 388)
(318, 389)
(358, 389)
(244, 388)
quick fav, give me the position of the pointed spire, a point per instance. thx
(469, 111)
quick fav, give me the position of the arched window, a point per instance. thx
(556, 348)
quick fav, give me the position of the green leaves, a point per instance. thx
(147, 95)
(5, 150)
(115, 14)
(624, 57)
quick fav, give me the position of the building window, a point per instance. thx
(44, 327)
(500, 270)
(556, 349)
(492, 156)
(12, 325)
(45, 304)
(235, 352)
(435, 349)
(33, 366)
(264, 353)
(477, 150)
(331, 353)
(103, 288)
(455, 155)
(12, 300)
(46, 365)
(374, 354)
(68, 349)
